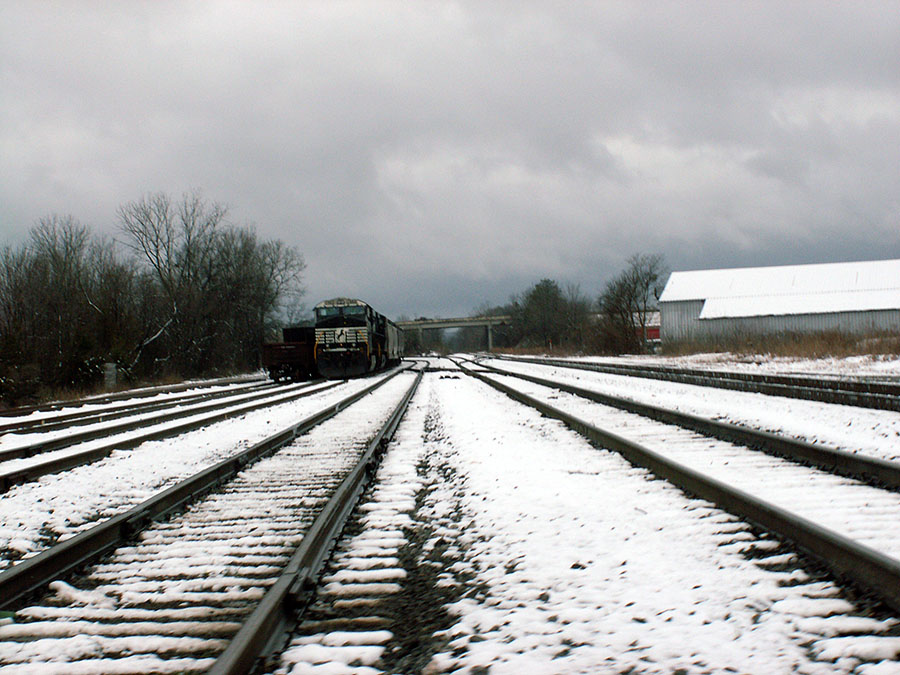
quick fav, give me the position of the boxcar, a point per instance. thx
(294, 357)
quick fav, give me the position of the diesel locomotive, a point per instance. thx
(349, 339)
(352, 339)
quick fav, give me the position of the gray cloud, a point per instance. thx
(430, 157)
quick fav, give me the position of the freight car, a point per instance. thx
(353, 339)
(294, 358)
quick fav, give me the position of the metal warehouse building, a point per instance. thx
(851, 298)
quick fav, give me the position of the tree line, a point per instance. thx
(183, 292)
(549, 316)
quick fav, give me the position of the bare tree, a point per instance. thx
(112, 291)
(59, 247)
(55, 307)
(177, 241)
(224, 287)
(648, 274)
(577, 318)
(15, 327)
(201, 298)
(627, 301)
(252, 281)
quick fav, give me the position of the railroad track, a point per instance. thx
(431, 577)
(173, 598)
(142, 392)
(875, 471)
(121, 408)
(867, 393)
(848, 526)
(36, 515)
(47, 454)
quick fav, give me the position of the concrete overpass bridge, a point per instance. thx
(464, 322)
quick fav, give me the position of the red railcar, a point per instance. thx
(294, 358)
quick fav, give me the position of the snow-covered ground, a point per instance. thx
(35, 515)
(169, 601)
(554, 557)
(112, 429)
(869, 431)
(861, 512)
(139, 396)
(509, 544)
(868, 365)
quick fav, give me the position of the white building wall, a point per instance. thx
(851, 298)
(680, 322)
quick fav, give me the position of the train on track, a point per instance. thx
(349, 339)
(294, 357)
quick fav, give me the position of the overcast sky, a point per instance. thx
(432, 156)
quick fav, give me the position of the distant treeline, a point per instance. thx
(562, 318)
(182, 293)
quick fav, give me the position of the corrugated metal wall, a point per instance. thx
(680, 322)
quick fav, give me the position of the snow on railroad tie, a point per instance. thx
(858, 430)
(34, 515)
(529, 550)
(853, 509)
(347, 627)
(170, 601)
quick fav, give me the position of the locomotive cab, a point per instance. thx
(344, 338)
(353, 339)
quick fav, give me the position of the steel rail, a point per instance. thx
(872, 470)
(48, 445)
(861, 385)
(268, 628)
(64, 462)
(83, 418)
(31, 575)
(142, 392)
(867, 568)
(878, 395)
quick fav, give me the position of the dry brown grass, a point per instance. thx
(812, 346)
(540, 351)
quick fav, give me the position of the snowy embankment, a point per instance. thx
(552, 556)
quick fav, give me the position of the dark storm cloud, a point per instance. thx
(431, 157)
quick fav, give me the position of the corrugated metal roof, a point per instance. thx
(789, 289)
